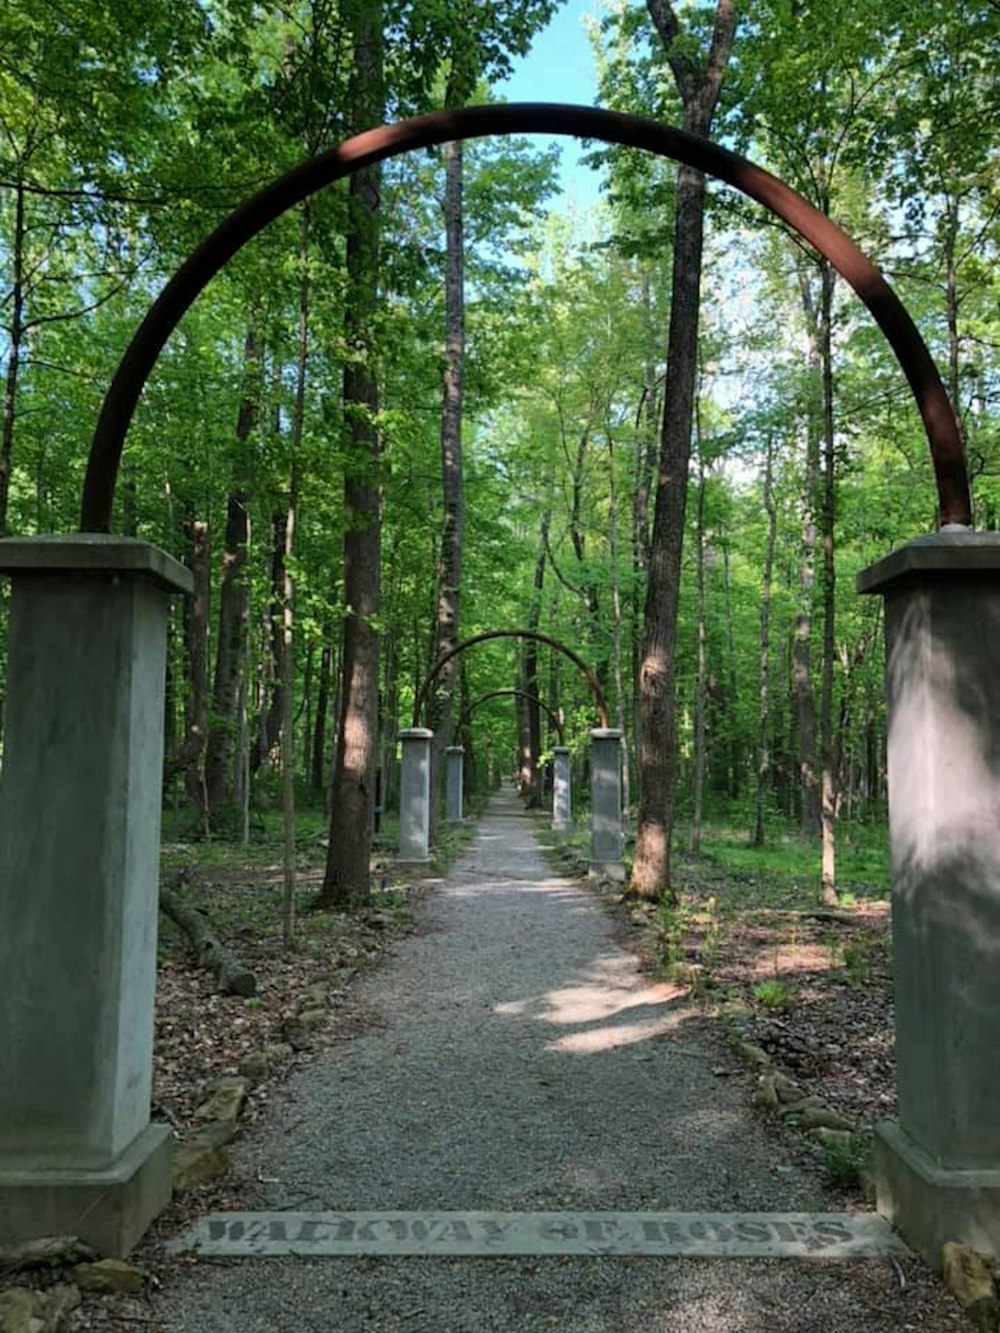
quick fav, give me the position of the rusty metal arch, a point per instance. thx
(469, 709)
(445, 658)
(376, 145)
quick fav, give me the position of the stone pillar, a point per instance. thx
(562, 804)
(454, 790)
(938, 1166)
(606, 803)
(415, 794)
(80, 796)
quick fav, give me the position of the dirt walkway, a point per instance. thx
(518, 1061)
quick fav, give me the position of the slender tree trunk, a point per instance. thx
(352, 801)
(530, 776)
(317, 765)
(16, 333)
(447, 632)
(802, 682)
(189, 760)
(234, 607)
(763, 759)
(828, 745)
(701, 682)
(616, 620)
(657, 746)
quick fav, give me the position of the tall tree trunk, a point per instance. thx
(450, 564)
(16, 333)
(763, 762)
(317, 764)
(802, 682)
(189, 760)
(531, 781)
(828, 745)
(347, 873)
(701, 679)
(234, 605)
(699, 91)
(616, 620)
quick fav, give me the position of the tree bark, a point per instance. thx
(763, 757)
(233, 977)
(701, 679)
(828, 746)
(189, 759)
(352, 797)
(16, 333)
(447, 624)
(802, 683)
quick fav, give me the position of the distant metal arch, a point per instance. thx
(469, 709)
(940, 422)
(445, 658)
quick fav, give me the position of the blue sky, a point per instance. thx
(560, 68)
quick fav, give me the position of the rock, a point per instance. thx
(810, 1103)
(832, 1138)
(109, 1276)
(278, 1052)
(766, 1094)
(312, 1018)
(754, 1055)
(314, 996)
(226, 1102)
(824, 1117)
(57, 1304)
(787, 1089)
(966, 1274)
(47, 1252)
(20, 1311)
(295, 1034)
(195, 1162)
(255, 1066)
(985, 1315)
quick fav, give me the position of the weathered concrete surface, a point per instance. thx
(415, 794)
(562, 799)
(79, 857)
(454, 783)
(942, 619)
(607, 831)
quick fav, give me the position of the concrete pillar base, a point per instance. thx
(108, 1207)
(931, 1204)
(613, 870)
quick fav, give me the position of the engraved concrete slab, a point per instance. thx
(708, 1235)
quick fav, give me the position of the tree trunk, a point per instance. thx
(802, 683)
(450, 564)
(828, 746)
(531, 789)
(701, 681)
(16, 338)
(657, 745)
(233, 976)
(763, 763)
(352, 796)
(317, 766)
(234, 608)
(189, 759)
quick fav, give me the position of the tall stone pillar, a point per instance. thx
(454, 788)
(80, 797)
(606, 803)
(938, 1166)
(415, 794)
(562, 801)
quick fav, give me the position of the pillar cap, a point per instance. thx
(93, 553)
(606, 733)
(454, 749)
(414, 734)
(560, 749)
(950, 551)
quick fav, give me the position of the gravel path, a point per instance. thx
(516, 1061)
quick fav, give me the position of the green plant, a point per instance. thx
(844, 1158)
(253, 1002)
(772, 994)
(670, 921)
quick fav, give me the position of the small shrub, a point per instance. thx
(844, 1160)
(771, 994)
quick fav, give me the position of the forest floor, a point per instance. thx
(752, 961)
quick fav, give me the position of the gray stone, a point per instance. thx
(834, 1138)
(109, 1276)
(313, 1018)
(226, 1101)
(415, 794)
(787, 1089)
(278, 1052)
(824, 1117)
(79, 856)
(765, 1095)
(454, 783)
(255, 1066)
(20, 1311)
(966, 1274)
(195, 1163)
(755, 1056)
(562, 799)
(607, 833)
(792, 1235)
(938, 1170)
(314, 996)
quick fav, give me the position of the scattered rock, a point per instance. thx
(226, 1102)
(754, 1055)
(832, 1138)
(23, 1310)
(58, 1303)
(295, 1034)
(800, 1107)
(278, 1052)
(109, 1276)
(312, 1018)
(47, 1252)
(787, 1089)
(766, 1094)
(201, 1158)
(985, 1315)
(255, 1066)
(824, 1117)
(313, 997)
(967, 1275)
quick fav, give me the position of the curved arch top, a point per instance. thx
(537, 637)
(472, 122)
(469, 709)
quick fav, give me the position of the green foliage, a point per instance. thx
(771, 994)
(844, 1160)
